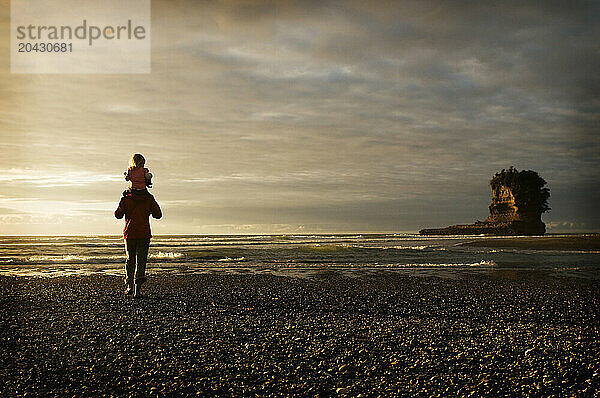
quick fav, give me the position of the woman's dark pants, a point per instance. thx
(137, 255)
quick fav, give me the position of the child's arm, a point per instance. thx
(126, 173)
(148, 178)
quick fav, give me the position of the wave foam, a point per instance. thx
(482, 263)
(70, 258)
(231, 260)
(161, 254)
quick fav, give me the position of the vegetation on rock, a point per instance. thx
(527, 188)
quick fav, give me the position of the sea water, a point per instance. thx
(300, 255)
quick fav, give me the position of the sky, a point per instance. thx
(313, 117)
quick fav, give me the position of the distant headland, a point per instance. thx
(518, 201)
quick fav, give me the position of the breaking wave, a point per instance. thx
(75, 255)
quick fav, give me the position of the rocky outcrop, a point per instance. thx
(518, 201)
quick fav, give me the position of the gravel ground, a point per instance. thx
(369, 334)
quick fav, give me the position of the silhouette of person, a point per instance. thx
(137, 206)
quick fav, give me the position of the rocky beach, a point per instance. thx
(363, 333)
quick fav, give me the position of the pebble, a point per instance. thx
(382, 334)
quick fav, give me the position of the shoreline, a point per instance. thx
(588, 242)
(379, 333)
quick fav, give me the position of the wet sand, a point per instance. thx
(580, 243)
(372, 334)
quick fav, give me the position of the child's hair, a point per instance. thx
(137, 160)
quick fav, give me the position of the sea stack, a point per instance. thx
(518, 201)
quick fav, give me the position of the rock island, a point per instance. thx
(518, 200)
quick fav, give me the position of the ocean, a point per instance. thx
(300, 255)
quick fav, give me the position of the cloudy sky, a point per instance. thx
(314, 116)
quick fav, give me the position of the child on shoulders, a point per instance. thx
(138, 175)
